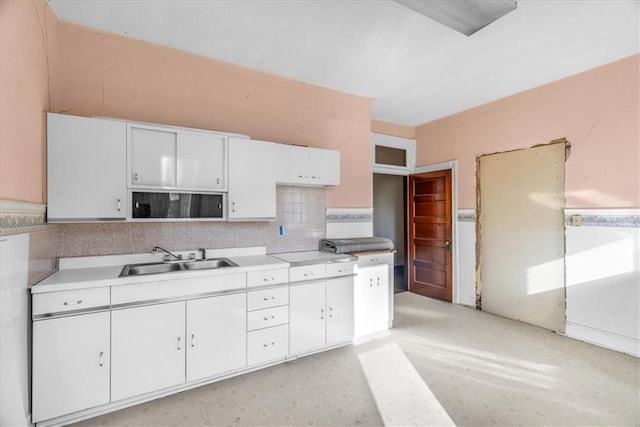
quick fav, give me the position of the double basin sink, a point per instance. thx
(167, 267)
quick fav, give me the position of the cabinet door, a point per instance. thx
(371, 300)
(148, 349)
(339, 310)
(152, 156)
(292, 164)
(86, 168)
(201, 161)
(216, 335)
(70, 364)
(252, 185)
(307, 317)
(324, 167)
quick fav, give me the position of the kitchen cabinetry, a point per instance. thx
(175, 158)
(148, 349)
(252, 183)
(216, 335)
(321, 310)
(71, 364)
(86, 169)
(307, 166)
(371, 299)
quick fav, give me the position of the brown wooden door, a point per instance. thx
(430, 234)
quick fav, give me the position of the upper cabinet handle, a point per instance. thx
(119, 206)
(135, 176)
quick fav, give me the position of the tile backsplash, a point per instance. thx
(300, 210)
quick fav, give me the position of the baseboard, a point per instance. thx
(603, 338)
(469, 301)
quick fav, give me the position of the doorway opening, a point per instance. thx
(389, 220)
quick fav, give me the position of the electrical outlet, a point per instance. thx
(576, 220)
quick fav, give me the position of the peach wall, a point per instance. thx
(597, 111)
(27, 69)
(103, 74)
(386, 128)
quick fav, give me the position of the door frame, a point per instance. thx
(453, 165)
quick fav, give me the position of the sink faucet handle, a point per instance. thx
(203, 251)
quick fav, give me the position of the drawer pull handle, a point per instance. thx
(267, 318)
(267, 298)
(331, 312)
(73, 303)
(378, 281)
(370, 282)
(322, 313)
(308, 274)
(193, 340)
(179, 342)
(374, 259)
(267, 344)
(101, 358)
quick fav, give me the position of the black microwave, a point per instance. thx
(157, 205)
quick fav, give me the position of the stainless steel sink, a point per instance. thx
(208, 263)
(167, 267)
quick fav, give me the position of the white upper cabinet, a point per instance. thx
(252, 181)
(153, 157)
(307, 166)
(173, 158)
(201, 161)
(86, 169)
(324, 166)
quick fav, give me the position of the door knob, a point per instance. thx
(447, 244)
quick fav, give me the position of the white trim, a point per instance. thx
(453, 165)
(21, 208)
(603, 338)
(409, 145)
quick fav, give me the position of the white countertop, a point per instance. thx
(313, 257)
(98, 276)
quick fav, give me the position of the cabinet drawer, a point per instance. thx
(267, 344)
(266, 298)
(268, 317)
(307, 272)
(375, 259)
(267, 277)
(341, 269)
(66, 301)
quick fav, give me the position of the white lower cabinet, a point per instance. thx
(148, 349)
(307, 319)
(71, 364)
(321, 314)
(371, 303)
(216, 335)
(339, 310)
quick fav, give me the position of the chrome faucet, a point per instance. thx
(159, 249)
(203, 251)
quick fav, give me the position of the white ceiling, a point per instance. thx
(415, 69)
